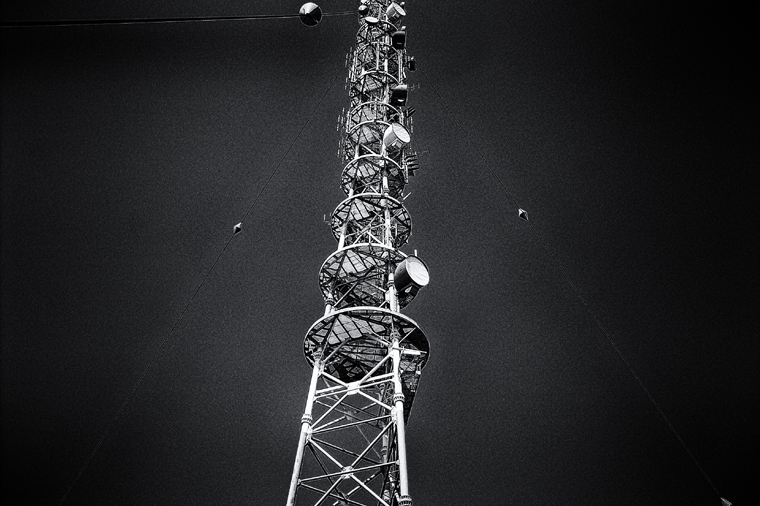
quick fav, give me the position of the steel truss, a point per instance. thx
(366, 356)
(357, 275)
(363, 217)
(352, 441)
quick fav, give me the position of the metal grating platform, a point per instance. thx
(363, 216)
(356, 275)
(365, 174)
(356, 339)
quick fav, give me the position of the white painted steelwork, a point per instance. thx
(366, 356)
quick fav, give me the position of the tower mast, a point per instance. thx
(366, 356)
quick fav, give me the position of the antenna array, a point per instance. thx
(366, 356)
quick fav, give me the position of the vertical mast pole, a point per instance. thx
(398, 401)
(305, 429)
(363, 348)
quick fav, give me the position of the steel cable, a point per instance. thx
(143, 21)
(577, 293)
(197, 290)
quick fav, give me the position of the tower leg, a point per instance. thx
(398, 400)
(305, 429)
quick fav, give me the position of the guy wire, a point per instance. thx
(144, 21)
(184, 310)
(577, 293)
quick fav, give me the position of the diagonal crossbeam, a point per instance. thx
(342, 497)
(346, 472)
(342, 449)
(366, 355)
(372, 492)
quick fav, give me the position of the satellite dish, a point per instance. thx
(395, 12)
(398, 39)
(396, 136)
(411, 274)
(398, 94)
(310, 14)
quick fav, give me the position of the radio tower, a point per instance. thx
(366, 356)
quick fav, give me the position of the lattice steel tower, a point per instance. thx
(366, 356)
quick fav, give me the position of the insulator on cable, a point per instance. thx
(310, 14)
(412, 64)
(371, 20)
(237, 228)
(522, 213)
(363, 10)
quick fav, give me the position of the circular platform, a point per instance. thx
(365, 125)
(371, 110)
(368, 134)
(375, 31)
(355, 339)
(374, 55)
(358, 275)
(364, 217)
(365, 175)
(370, 84)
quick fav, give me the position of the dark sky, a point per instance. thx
(628, 130)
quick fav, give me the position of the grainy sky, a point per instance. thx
(627, 130)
